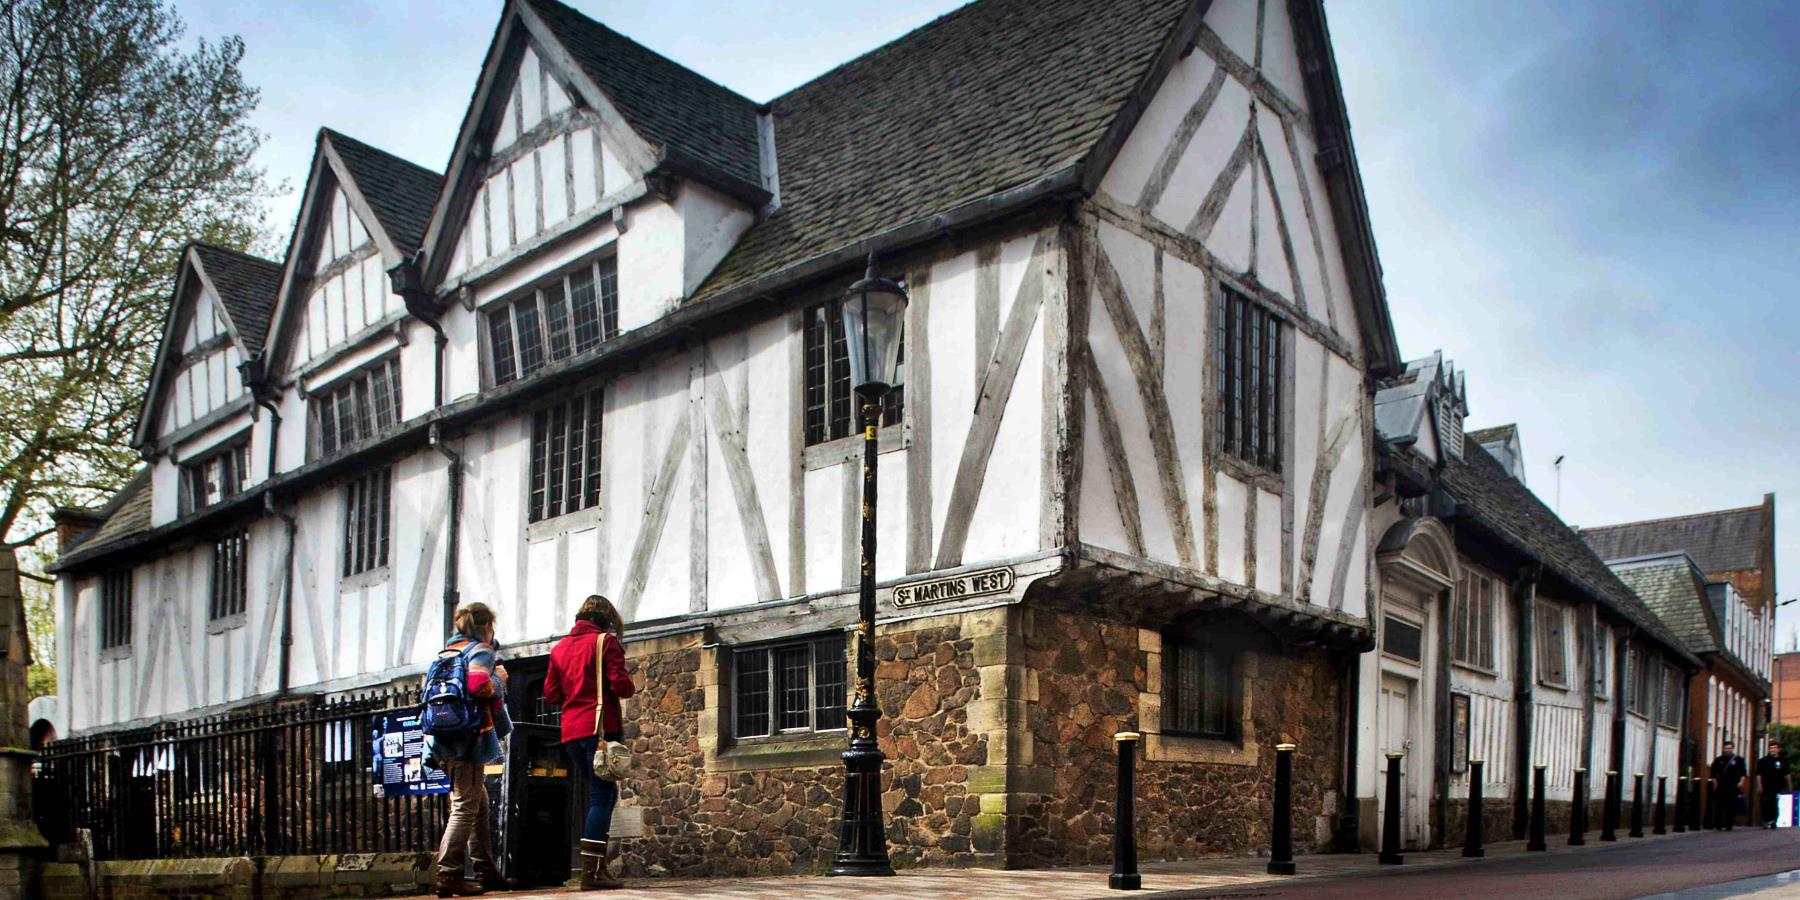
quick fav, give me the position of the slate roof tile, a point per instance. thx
(400, 192)
(1724, 541)
(665, 103)
(1673, 590)
(986, 98)
(247, 285)
(126, 514)
(1499, 502)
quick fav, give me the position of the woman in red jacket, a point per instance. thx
(571, 683)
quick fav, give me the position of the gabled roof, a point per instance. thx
(393, 199)
(686, 116)
(1724, 541)
(400, 193)
(1674, 588)
(1508, 510)
(993, 96)
(126, 514)
(245, 287)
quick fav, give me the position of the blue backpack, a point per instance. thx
(447, 708)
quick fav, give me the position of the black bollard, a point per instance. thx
(1390, 818)
(1637, 805)
(1125, 875)
(1473, 820)
(1681, 804)
(1281, 836)
(1609, 809)
(1693, 801)
(1578, 810)
(1535, 840)
(1662, 809)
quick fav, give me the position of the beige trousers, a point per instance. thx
(468, 833)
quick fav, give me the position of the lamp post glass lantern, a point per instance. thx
(874, 313)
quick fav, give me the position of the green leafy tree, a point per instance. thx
(1788, 736)
(119, 143)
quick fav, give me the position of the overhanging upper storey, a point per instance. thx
(363, 213)
(571, 121)
(218, 317)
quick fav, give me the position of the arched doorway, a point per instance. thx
(1417, 563)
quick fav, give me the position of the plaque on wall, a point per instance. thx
(1459, 733)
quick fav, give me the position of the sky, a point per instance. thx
(1590, 208)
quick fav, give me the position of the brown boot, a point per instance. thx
(491, 879)
(594, 876)
(452, 884)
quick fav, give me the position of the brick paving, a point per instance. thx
(1072, 883)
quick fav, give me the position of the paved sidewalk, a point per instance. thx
(1072, 883)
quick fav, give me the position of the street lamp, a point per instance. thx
(873, 313)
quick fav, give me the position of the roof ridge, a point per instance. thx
(647, 49)
(1699, 515)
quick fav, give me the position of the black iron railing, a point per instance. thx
(283, 779)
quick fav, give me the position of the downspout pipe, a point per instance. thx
(453, 529)
(255, 375)
(408, 280)
(283, 673)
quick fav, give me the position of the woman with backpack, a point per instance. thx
(574, 682)
(465, 724)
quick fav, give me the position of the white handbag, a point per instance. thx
(612, 760)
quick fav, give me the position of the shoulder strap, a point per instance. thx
(600, 686)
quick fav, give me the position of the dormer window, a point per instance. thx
(1450, 426)
(567, 314)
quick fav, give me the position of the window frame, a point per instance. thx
(1669, 694)
(236, 452)
(1603, 662)
(1230, 662)
(729, 708)
(1465, 630)
(602, 268)
(116, 611)
(593, 460)
(1550, 627)
(368, 522)
(227, 604)
(355, 388)
(1239, 319)
(825, 340)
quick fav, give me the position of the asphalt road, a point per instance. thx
(1625, 870)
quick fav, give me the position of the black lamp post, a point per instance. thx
(874, 310)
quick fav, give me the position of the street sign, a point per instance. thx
(940, 590)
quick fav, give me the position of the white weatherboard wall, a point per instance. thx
(1217, 185)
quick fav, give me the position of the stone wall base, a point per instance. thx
(283, 877)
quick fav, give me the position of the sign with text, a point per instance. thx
(956, 587)
(400, 769)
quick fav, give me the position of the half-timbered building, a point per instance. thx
(1502, 638)
(1126, 486)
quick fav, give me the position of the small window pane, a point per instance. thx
(500, 345)
(793, 667)
(586, 304)
(529, 335)
(556, 319)
(829, 678)
(608, 285)
(751, 701)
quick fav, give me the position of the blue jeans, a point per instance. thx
(603, 795)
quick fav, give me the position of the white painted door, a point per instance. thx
(1397, 717)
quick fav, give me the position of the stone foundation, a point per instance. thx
(271, 877)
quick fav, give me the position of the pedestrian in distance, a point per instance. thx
(1728, 774)
(1771, 783)
(465, 720)
(589, 726)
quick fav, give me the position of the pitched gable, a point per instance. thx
(364, 210)
(218, 316)
(706, 130)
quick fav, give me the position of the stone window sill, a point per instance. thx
(365, 579)
(109, 654)
(545, 529)
(1183, 748)
(226, 623)
(811, 752)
